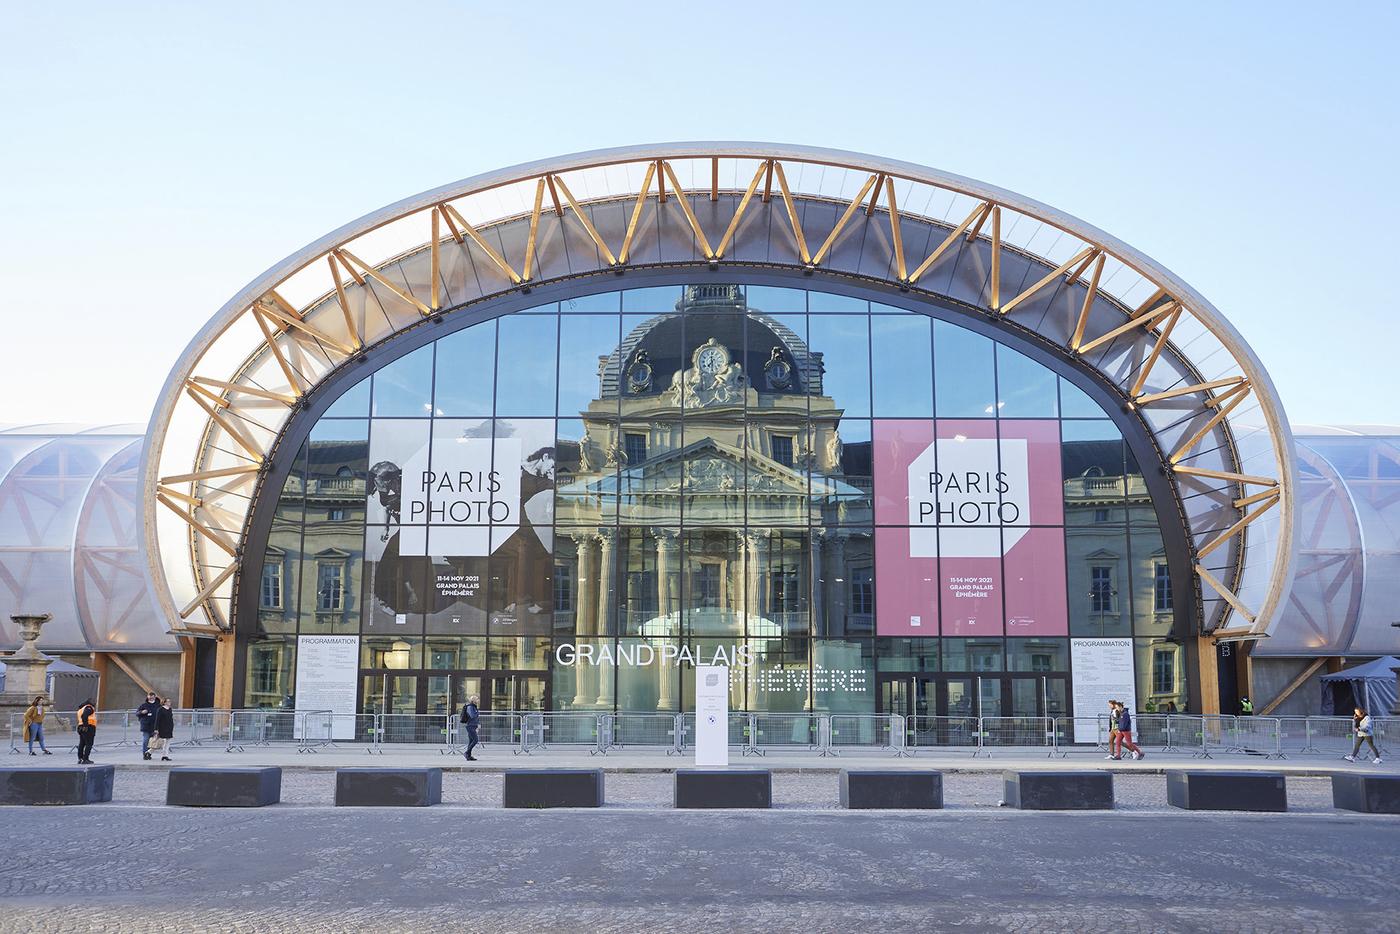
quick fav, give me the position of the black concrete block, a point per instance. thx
(1058, 791)
(1370, 794)
(722, 788)
(902, 788)
(77, 784)
(411, 788)
(553, 788)
(223, 788)
(1226, 791)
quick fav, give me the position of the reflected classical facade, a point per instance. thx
(858, 507)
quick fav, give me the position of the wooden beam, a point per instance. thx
(1240, 393)
(202, 475)
(1131, 325)
(299, 324)
(1151, 301)
(208, 591)
(690, 217)
(1244, 520)
(1224, 592)
(343, 254)
(98, 660)
(768, 182)
(714, 178)
(896, 229)
(851, 208)
(977, 214)
(132, 673)
(344, 302)
(234, 432)
(1146, 369)
(435, 262)
(554, 196)
(293, 378)
(281, 397)
(996, 258)
(875, 195)
(486, 248)
(1083, 255)
(792, 214)
(1188, 390)
(188, 655)
(217, 537)
(632, 222)
(224, 653)
(1089, 295)
(534, 230)
(1224, 475)
(1293, 685)
(739, 212)
(583, 219)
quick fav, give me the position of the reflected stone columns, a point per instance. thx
(818, 578)
(607, 606)
(836, 584)
(755, 626)
(667, 545)
(585, 602)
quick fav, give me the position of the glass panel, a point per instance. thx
(966, 380)
(843, 675)
(405, 387)
(522, 581)
(279, 584)
(586, 342)
(601, 302)
(841, 345)
(449, 654)
(526, 365)
(529, 654)
(646, 681)
(826, 302)
(1039, 655)
(458, 588)
(1152, 585)
(781, 566)
(1025, 389)
(1161, 675)
(989, 697)
(713, 582)
(650, 490)
(844, 583)
(1095, 483)
(1075, 403)
(771, 300)
(581, 676)
(659, 300)
(466, 371)
(907, 654)
(1025, 697)
(778, 678)
(390, 653)
(395, 586)
(353, 402)
(640, 557)
(334, 539)
(708, 652)
(901, 355)
(1096, 558)
(268, 682)
(586, 473)
(842, 474)
(972, 655)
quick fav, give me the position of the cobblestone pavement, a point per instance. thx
(311, 868)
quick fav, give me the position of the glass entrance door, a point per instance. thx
(517, 692)
(1039, 696)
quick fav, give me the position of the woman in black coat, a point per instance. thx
(165, 728)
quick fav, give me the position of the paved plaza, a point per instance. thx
(310, 868)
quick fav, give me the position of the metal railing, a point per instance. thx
(824, 734)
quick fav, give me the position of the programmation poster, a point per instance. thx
(972, 539)
(1103, 671)
(327, 668)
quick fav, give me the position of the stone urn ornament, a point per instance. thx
(27, 669)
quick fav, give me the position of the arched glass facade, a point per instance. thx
(857, 506)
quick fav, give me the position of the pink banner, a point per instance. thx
(1035, 585)
(906, 588)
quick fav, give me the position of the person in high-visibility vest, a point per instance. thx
(1246, 707)
(87, 731)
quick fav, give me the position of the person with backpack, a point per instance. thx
(34, 726)
(87, 731)
(1125, 732)
(1361, 726)
(1113, 752)
(165, 731)
(471, 718)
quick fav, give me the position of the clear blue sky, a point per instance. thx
(157, 156)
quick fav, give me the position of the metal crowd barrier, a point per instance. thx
(865, 731)
(943, 732)
(648, 729)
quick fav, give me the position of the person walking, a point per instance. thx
(1113, 731)
(1361, 726)
(146, 716)
(1125, 732)
(87, 731)
(165, 730)
(471, 717)
(34, 726)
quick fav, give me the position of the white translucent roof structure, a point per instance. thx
(1178, 365)
(71, 540)
(1346, 584)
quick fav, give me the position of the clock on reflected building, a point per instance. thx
(639, 373)
(711, 358)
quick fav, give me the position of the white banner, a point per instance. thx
(327, 669)
(1103, 671)
(712, 715)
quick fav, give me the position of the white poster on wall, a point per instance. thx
(1103, 671)
(712, 715)
(327, 668)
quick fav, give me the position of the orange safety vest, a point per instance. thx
(91, 716)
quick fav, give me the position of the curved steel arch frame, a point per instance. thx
(1153, 345)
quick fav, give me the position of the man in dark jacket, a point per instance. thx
(146, 715)
(1125, 731)
(471, 717)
